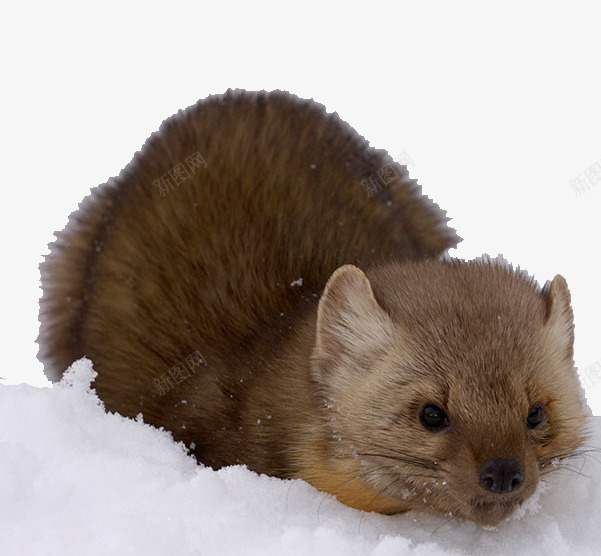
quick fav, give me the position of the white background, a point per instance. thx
(498, 107)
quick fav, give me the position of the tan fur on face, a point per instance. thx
(321, 378)
(484, 342)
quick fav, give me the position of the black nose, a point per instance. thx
(501, 475)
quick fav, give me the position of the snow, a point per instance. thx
(76, 480)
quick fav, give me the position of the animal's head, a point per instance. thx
(450, 385)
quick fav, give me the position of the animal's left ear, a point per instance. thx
(560, 317)
(350, 322)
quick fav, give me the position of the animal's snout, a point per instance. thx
(501, 475)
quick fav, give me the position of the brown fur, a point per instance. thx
(298, 381)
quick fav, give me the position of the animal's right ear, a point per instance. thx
(560, 318)
(350, 322)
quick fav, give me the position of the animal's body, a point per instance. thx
(203, 284)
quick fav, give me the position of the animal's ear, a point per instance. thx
(350, 322)
(560, 317)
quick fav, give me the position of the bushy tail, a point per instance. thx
(65, 273)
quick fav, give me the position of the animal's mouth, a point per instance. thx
(484, 506)
(492, 504)
(492, 512)
(487, 510)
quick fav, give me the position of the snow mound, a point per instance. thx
(76, 480)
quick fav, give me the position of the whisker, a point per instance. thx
(381, 492)
(450, 519)
(403, 459)
(343, 483)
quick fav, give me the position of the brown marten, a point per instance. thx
(275, 292)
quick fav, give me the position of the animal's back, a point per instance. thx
(200, 244)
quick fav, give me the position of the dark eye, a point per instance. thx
(535, 417)
(433, 417)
